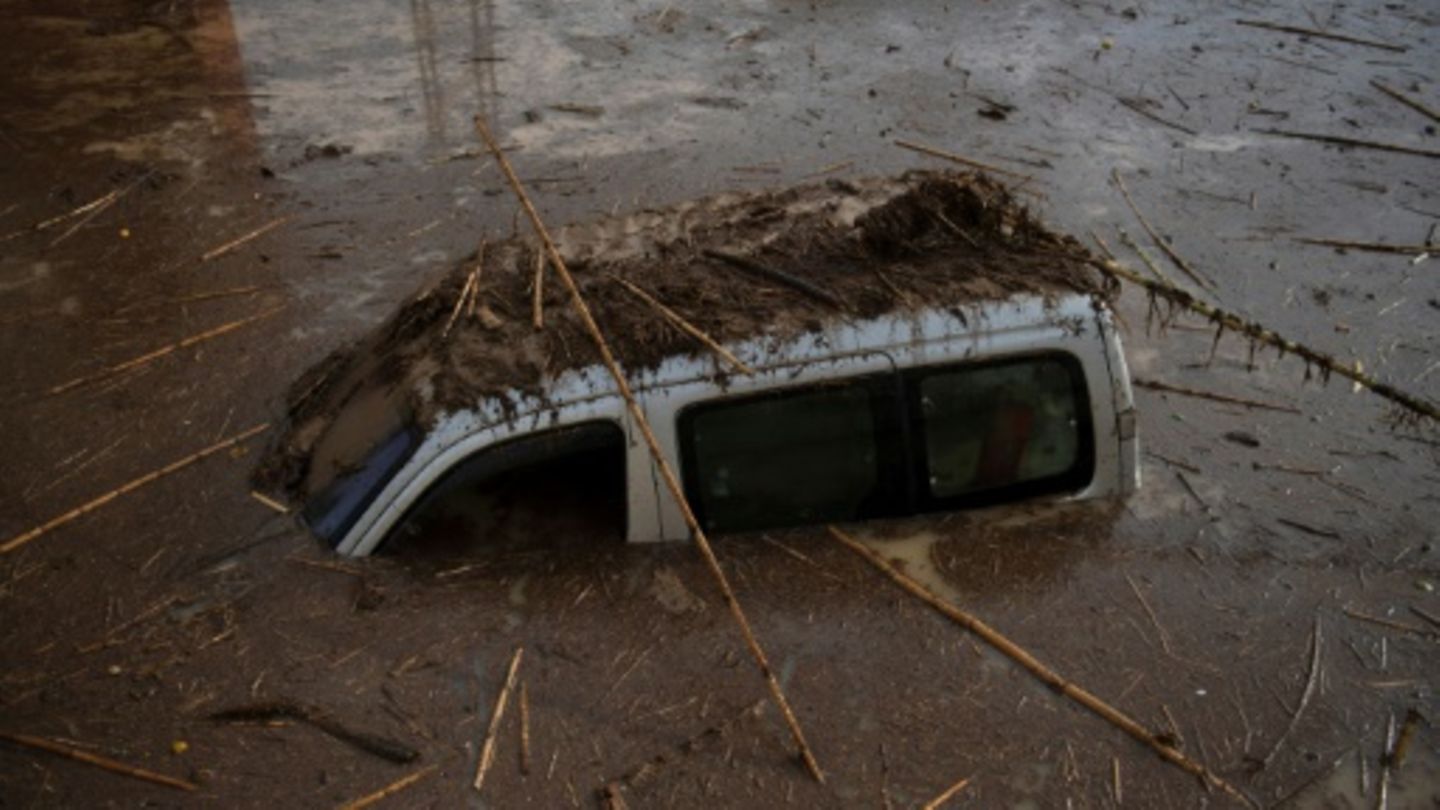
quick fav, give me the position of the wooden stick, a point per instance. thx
(270, 502)
(1312, 32)
(524, 728)
(1139, 109)
(104, 763)
(1373, 247)
(1379, 621)
(791, 281)
(1175, 259)
(1305, 695)
(389, 790)
(217, 252)
(672, 483)
(184, 343)
(1340, 140)
(1154, 620)
(1155, 385)
(1382, 796)
(1414, 104)
(1052, 679)
(1260, 334)
(685, 326)
(935, 803)
(537, 301)
(148, 478)
(954, 158)
(487, 749)
(460, 302)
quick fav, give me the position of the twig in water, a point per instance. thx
(1255, 332)
(524, 728)
(1382, 796)
(184, 343)
(1412, 103)
(487, 748)
(148, 478)
(104, 763)
(685, 326)
(1339, 140)
(1139, 109)
(1312, 32)
(1155, 385)
(270, 502)
(1397, 752)
(1182, 265)
(1305, 695)
(217, 252)
(954, 158)
(1154, 620)
(389, 790)
(1373, 247)
(770, 273)
(1375, 620)
(537, 300)
(947, 795)
(1051, 678)
(382, 747)
(667, 473)
(1115, 781)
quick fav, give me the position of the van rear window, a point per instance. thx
(1002, 426)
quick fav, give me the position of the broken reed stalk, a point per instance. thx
(487, 749)
(1412, 103)
(1373, 247)
(537, 299)
(938, 801)
(184, 343)
(793, 282)
(1256, 332)
(1312, 32)
(148, 478)
(389, 790)
(459, 303)
(1051, 678)
(954, 158)
(1305, 695)
(1175, 258)
(685, 326)
(524, 728)
(1340, 140)
(104, 763)
(217, 252)
(1156, 385)
(672, 483)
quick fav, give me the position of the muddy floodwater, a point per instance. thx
(199, 200)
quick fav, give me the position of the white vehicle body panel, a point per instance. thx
(1074, 324)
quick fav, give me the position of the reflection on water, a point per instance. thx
(1001, 549)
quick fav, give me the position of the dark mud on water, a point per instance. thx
(164, 137)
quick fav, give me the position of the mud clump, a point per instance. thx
(923, 240)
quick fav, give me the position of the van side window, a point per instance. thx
(998, 430)
(565, 484)
(805, 456)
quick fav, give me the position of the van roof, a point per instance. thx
(919, 242)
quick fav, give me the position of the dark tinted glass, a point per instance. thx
(1001, 426)
(787, 459)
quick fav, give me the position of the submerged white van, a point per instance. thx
(955, 355)
(900, 415)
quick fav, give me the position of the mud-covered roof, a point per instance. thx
(922, 240)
